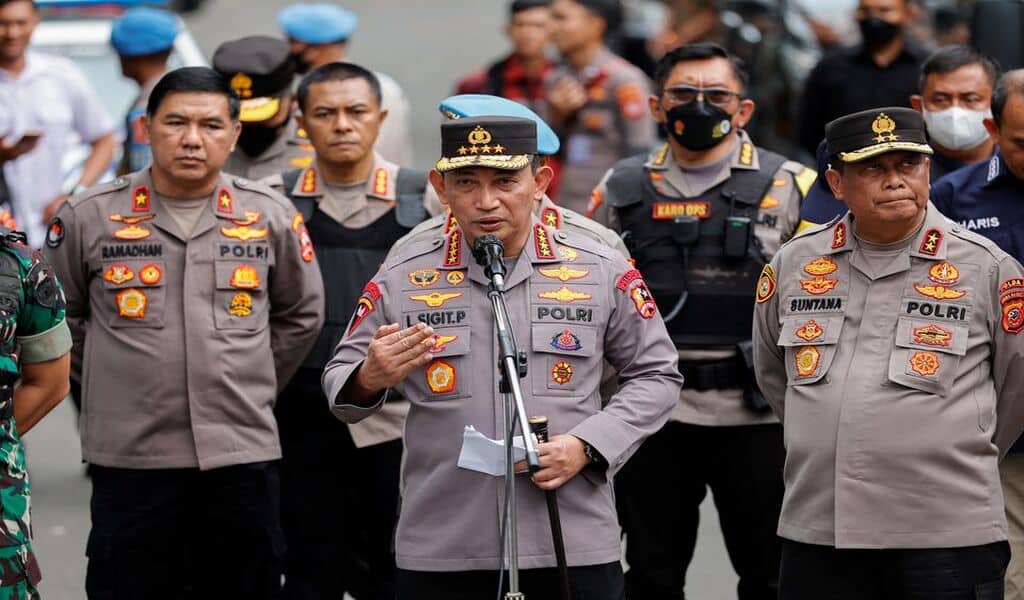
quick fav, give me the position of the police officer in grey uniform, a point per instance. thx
(355, 205)
(551, 214)
(192, 298)
(701, 215)
(434, 345)
(261, 70)
(888, 343)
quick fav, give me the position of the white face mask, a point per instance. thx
(957, 128)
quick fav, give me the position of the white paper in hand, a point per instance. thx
(481, 453)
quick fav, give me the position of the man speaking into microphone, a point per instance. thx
(423, 329)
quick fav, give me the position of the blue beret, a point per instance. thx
(140, 31)
(481, 105)
(317, 23)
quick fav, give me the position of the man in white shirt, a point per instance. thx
(51, 100)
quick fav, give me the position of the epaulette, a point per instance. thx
(803, 175)
(98, 190)
(978, 240)
(275, 182)
(582, 242)
(255, 186)
(576, 219)
(427, 229)
(412, 249)
(814, 228)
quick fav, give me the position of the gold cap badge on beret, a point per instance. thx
(868, 133)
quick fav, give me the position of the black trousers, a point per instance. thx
(812, 572)
(339, 503)
(658, 496)
(592, 582)
(168, 534)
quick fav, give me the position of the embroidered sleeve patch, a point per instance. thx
(765, 285)
(1011, 298)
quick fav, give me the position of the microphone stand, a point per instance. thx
(511, 369)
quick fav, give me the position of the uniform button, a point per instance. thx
(561, 235)
(956, 229)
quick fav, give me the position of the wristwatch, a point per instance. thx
(593, 456)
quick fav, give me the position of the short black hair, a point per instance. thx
(951, 58)
(701, 51)
(518, 6)
(337, 71)
(610, 11)
(192, 79)
(1010, 84)
(35, 6)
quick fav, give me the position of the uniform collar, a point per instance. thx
(540, 248)
(744, 157)
(996, 170)
(382, 183)
(929, 243)
(142, 204)
(549, 213)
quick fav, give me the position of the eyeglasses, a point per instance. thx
(685, 94)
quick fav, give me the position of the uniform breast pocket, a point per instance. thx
(926, 354)
(449, 375)
(565, 359)
(810, 344)
(136, 291)
(240, 296)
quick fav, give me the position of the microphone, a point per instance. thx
(488, 251)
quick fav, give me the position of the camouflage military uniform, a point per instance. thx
(32, 330)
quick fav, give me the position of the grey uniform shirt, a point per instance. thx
(569, 316)
(613, 124)
(182, 342)
(291, 150)
(777, 219)
(898, 383)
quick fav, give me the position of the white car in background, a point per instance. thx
(80, 30)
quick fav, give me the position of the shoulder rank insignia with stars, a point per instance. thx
(225, 203)
(931, 242)
(839, 236)
(542, 243)
(453, 250)
(551, 217)
(563, 273)
(308, 181)
(140, 199)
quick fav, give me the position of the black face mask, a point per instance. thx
(698, 125)
(877, 32)
(255, 139)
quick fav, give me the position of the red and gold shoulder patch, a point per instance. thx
(453, 250)
(551, 217)
(151, 274)
(924, 363)
(305, 243)
(666, 211)
(1011, 298)
(380, 181)
(839, 236)
(931, 243)
(765, 285)
(632, 100)
(440, 377)
(140, 199)
(627, 279)
(424, 277)
(633, 284)
(542, 242)
(365, 305)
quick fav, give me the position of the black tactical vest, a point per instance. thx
(349, 258)
(719, 290)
